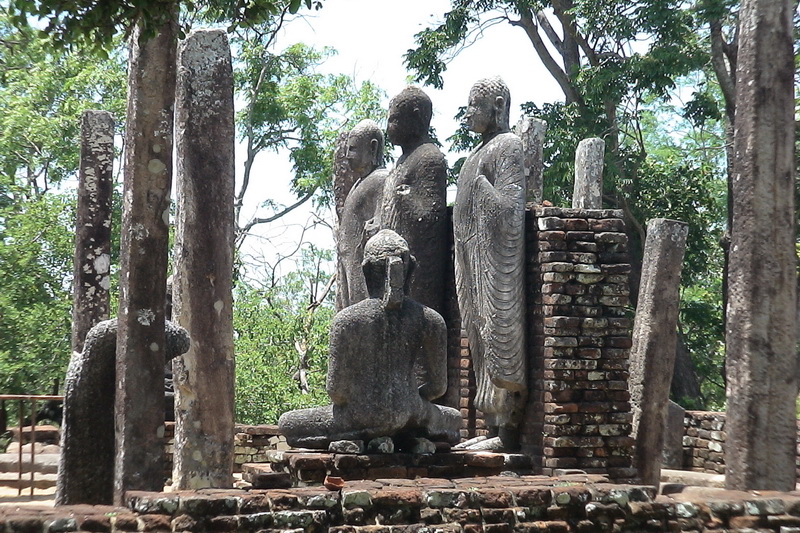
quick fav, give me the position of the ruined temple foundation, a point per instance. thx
(525, 504)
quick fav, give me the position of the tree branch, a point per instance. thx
(255, 221)
(313, 305)
(568, 24)
(549, 31)
(527, 23)
(725, 76)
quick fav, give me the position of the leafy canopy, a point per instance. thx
(94, 24)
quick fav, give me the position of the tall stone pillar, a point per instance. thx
(654, 337)
(90, 282)
(202, 286)
(588, 188)
(532, 131)
(761, 334)
(139, 412)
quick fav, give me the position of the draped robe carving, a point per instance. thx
(489, 228)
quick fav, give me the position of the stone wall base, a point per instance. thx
(307, 468)
(500, 504)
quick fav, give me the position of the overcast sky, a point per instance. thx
(371, 37)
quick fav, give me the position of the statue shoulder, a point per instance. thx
(509, 141)
(360, 314)
(431, 153)
(433, 318)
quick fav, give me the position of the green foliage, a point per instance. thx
(42, 96)
(274, 321)
(36, 248)
(291, 106)
(94, 25)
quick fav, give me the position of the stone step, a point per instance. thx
(41, 481)
(261, 476)
(13, 447)
(46, 463)
(46, 433)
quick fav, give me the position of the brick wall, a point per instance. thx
(579, 342)
(704, 442)
(251, 444)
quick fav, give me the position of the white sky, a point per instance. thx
(371, 37)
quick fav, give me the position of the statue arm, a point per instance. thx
(508, 169)
(434, 356)
(340, 383)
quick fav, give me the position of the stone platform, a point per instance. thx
(307, 467)
(495, 504)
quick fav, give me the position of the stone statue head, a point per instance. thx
(488, 107)
(410, 115)
(364, 148)
(388, 266)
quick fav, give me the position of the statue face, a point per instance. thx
(360, 154)
(480, 115)
(403, 123)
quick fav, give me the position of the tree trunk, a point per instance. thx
(761, 330)
(139, 413)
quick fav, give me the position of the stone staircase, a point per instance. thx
(45, 466)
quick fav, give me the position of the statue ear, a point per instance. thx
(499, 104)
(375, 150)
(412, 265)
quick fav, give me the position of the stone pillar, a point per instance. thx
(139, 413)
(654, 338)
(761, 334)
(90, 281)
(672, 452)
(580, 343)
(202, 285)
(588, 191)
(532, 131)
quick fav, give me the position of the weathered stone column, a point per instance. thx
(532, 131)
(90, 281)
(654, 338)
(588, 189)
(202, 286)
(139, 413)
(761, 334)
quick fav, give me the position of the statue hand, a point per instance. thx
(371, 227)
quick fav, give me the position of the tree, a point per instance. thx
(35, 260)
(42, 95)
(96, 24)
(289, 106)
(274, 317)
(609, 58)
